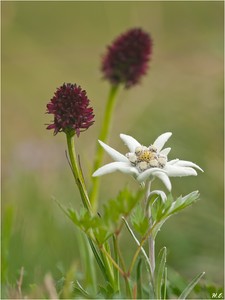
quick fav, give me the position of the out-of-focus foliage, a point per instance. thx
(45, 44)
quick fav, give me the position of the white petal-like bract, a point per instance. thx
(165, 151)
(176, 171)
(117, 156)
(116, 166)
(161, 140)
(148, 174)
(130, 142)
(185, 163)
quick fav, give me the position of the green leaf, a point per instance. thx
(115, 209)
(183, 202)
(116, 254)
(111, 213)
(190, 286)
(170, 207)
(102, 233)
(165, 283)
(139, 280)
(79, 289)
(127, 201)
(87, 258)
(98, 259)
(86, 223)
(69, 278)
(107, 292)
(160, 271)
(139, 220)
(157, 208)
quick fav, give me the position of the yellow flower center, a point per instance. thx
(146, 155)
(145, 158)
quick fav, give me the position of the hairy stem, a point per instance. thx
(151, 240)
(77, 172)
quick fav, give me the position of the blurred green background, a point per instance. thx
(45, 44)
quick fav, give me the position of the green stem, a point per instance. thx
(151, 240)
(128, 288)
(119, 252)
(76, 171)
(127, 275)
(105, 128)
(140, 246)
(142, 249)
(116, 272)
(107, 267)
(122, 272)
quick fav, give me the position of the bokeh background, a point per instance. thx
(45, 44)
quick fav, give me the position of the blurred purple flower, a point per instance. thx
(126, 60)
(69, 106)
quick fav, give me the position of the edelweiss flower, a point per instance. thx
(146, 163)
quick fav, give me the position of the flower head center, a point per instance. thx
(146, 157)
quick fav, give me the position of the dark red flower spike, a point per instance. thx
(69, 106)
(126, 60)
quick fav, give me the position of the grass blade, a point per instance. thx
(82, 291)
(142, 249)
(190, 286)
(165, 283)
(88, 259)
(116, 271)
(98, 259)
(139, 280)
(160, 270)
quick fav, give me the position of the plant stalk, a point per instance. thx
(151, 240)
(140, 247)
(122, 272)
(107, 265)
(77, 172)
(104, 133)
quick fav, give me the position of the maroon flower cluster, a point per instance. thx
(127, 58)
(70, 109)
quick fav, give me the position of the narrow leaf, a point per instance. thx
(165, 283)
(160, 269)
(139, 280)
(142, 249)
(148, 264)
(98, 259)
(190, 286)
(116, 271)
(82, 290)
(88, 259)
